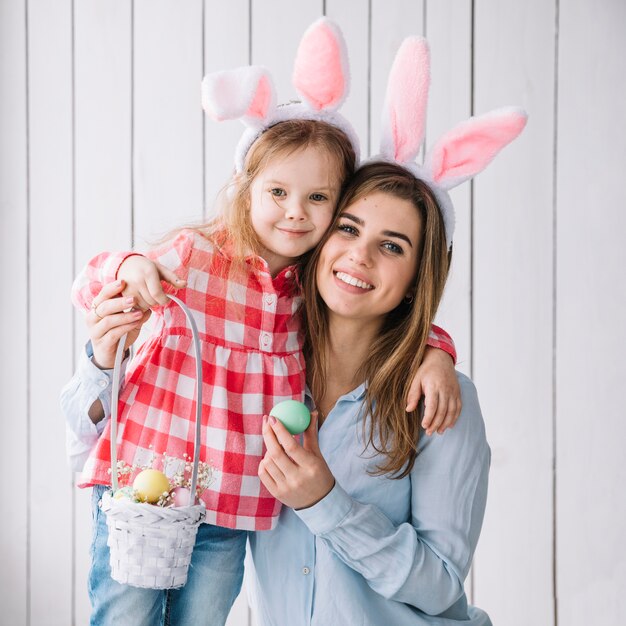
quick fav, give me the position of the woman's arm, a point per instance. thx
(422, 562)
(86, 399)
(87, 393)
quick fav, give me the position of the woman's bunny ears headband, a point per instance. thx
(459, 154)
(321, 79)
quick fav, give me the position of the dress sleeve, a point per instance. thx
(88, 384)
(423, 561)
(439, 338)
(103, 268)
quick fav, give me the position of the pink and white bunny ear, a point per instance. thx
(320, 72)
(468, 148)
(404, 112)
(245, 93)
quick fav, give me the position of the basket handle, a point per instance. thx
(115, 399)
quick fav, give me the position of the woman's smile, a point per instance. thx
(351, 280)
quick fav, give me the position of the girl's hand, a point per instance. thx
(143, 281)
(107, 323)
(436, 380)
(295, 474)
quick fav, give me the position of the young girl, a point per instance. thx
(239, 276)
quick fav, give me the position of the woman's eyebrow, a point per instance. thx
(387, 233)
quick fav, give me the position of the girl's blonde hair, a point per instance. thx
(232, 223)
(398, 350)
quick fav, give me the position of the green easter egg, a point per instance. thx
(293, 414)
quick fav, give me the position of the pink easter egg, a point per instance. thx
(180, 496)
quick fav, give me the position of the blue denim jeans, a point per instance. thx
(213, 583)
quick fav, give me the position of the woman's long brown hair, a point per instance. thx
(398, 350)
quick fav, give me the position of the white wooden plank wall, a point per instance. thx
(104, 146)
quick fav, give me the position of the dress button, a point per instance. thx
(305, 570)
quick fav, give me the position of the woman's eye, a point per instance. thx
(318, 197)
(348, 229)
(393, 247)
(277, 192)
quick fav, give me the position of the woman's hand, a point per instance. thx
(436, 380)
(295, 474)
(143, 281)
(107, 323)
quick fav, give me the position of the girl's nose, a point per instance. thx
(294, 210)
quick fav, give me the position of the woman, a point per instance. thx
(380, 522)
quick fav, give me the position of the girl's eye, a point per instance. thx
(318, 197)
(393, 247)
(277, 192)
(348, 229)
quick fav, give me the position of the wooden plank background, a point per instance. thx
(104, 146)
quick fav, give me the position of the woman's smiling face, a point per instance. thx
(369, 264)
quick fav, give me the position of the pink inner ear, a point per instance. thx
(261, 101)
(407, 96)
(318, 72)
(469, 148)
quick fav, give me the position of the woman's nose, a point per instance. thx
(360, 253)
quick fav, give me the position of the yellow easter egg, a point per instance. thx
(150, 485)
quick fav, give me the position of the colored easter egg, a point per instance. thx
(150, 484)
(125, 493)
(293, 414)
(180, 496)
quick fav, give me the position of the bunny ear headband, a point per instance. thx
(459, 154)
(320, 77)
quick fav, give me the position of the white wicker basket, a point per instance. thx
(151, 546)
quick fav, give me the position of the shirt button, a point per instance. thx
(103, 383)
(305, 570)
(288, 274)
(270, 299)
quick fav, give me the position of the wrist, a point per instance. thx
(123, 260)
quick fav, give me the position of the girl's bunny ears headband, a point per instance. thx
(320, 77)
(459, 154)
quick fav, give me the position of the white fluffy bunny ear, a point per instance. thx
(468, 148)
(320, 72)
(404, 112)
(245, 93)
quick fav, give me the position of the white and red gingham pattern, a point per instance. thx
(252, 359)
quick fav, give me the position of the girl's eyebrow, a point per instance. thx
(387, 233)
(273, 181)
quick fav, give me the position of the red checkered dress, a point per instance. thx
(252, 358)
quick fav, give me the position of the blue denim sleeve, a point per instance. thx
(424, 561)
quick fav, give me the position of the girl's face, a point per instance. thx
(369, 264)
(292, 201)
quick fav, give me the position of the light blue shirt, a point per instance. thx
(377, 551)
(88, 384)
